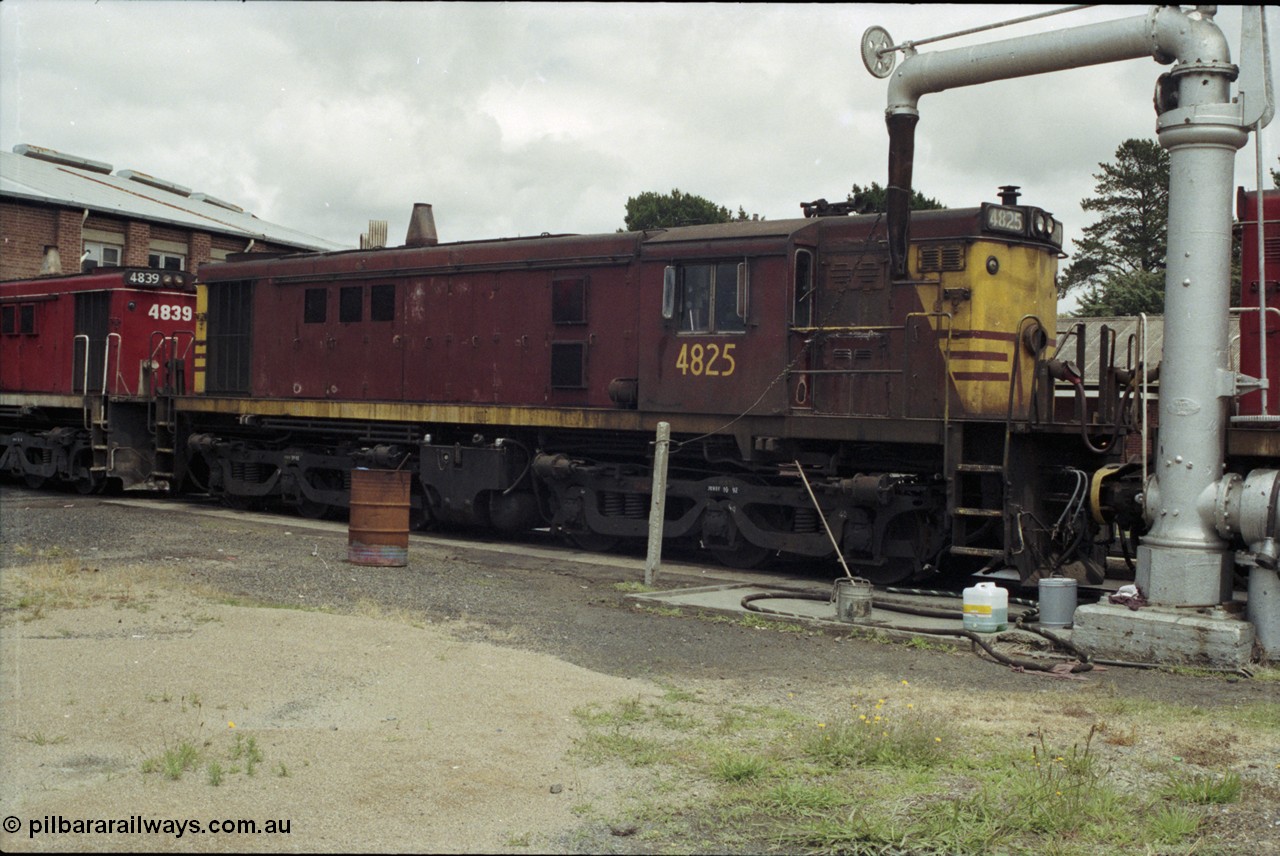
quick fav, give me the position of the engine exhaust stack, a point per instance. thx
(422, 227)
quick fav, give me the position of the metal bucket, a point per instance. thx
(1057, 601)
(853, 599)
(378, 533)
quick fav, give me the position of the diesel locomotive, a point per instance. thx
(816, 401)
(89, 368)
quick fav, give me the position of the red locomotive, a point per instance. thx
(88, 363)
(1256, 293)
(813, 396)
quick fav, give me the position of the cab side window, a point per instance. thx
(709, 298)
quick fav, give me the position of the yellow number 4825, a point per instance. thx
(710, 360)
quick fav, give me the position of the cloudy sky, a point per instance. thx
(526, 118)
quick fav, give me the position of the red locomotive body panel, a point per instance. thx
(63, 335)
(1260, 291)
(526, 323)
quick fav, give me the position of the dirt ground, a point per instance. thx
(428, 708)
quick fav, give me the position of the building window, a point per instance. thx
(351, 303)
(382, 303)
(315, 306)
(98, 254)
(166, 261)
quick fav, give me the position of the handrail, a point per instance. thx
(106, 363)
(84, 375)
(1263, 417)
(1142, 348)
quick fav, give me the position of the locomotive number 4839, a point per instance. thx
(167, 312)
(710, 360)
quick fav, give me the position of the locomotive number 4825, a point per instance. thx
(711, 360)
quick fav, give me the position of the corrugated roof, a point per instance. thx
(24, 177)
(1126, 330)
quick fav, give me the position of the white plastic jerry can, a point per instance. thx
(986, 608)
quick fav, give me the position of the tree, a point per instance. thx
(652, 210)
(1121, 258)
(871, 199)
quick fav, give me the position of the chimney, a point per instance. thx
(51, 263)
(422, 227)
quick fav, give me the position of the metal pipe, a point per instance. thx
(1183, 559)
(1259, 219)
(1202, 129)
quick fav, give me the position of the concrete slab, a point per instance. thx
(814, 607)
(1212, 637)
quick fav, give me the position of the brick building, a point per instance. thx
(62, 213)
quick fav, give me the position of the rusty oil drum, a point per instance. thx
(378, 533)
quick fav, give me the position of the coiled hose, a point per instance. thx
(1083, 663)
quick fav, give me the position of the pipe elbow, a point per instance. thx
(1187, 38)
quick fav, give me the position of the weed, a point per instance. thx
(878, 737)
(1205, 789)
(924, 643)
(758, 623)
(633, 587)
(174, 761)
(39, 738)
(282, 771)
(246, 750)
(740, 768)
(664, 611)
(215, 772)
(1170, 824)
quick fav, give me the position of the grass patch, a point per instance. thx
(1205, 789)
(886, 777)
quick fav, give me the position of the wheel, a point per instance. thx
(908, 542)
(744, 555)
(86, 485)
(33, 481)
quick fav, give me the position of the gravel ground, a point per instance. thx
(427, 708)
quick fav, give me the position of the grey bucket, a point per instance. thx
(853, 599)
(1057, 601)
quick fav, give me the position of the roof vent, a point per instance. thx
(52, 156)
(422, 227)
(213, 200)
(160, 183)
(376, 237)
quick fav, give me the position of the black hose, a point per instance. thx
(748, 603)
